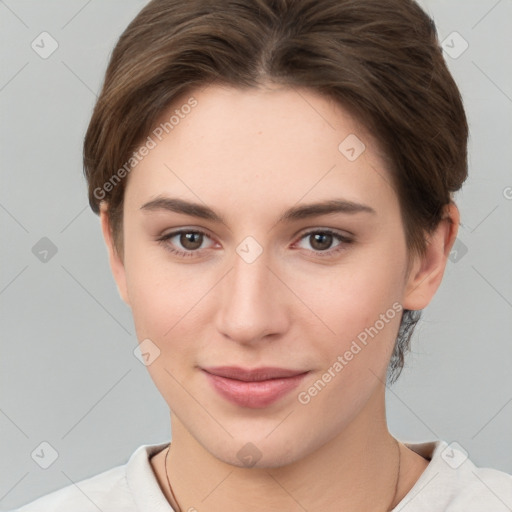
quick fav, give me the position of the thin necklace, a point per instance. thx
(168, 482)
(397, 476)
(389, 509)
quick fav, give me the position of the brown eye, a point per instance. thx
(185, 242)
(321, 241)
(191, 240)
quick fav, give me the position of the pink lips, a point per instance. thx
(256, 388)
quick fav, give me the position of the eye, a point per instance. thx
(190, 239)
(321, 241)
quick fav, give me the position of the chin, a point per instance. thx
(258, 451)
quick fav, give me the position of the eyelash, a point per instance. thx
(323, 254)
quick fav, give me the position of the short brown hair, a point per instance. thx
(380, 59)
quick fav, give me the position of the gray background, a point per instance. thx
(68, 373)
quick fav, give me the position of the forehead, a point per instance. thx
(253, 148)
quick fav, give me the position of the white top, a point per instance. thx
(451, 482)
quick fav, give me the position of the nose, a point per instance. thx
(252, 304)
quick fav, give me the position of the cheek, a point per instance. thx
(348, 298)
(164, 301)
(357, 315)
(360, 303)
(156, 296)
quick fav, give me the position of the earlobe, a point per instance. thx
(427, 271)
(116, 262)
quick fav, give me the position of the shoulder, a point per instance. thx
(482, 489)
(453, 483)
(105, 491)
(125, 487)
(129, 487)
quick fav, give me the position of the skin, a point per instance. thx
(249, 155)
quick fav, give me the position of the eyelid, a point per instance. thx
(324, 229)
(164, 240)
(341, 237)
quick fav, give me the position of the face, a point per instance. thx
(318, 291)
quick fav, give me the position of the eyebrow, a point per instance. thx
(292, 214)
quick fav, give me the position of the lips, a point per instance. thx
(253, 388)
(254, 375)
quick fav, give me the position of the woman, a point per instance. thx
(274, 180)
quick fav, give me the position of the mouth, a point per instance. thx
(253, 388)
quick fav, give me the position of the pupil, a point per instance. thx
(322, 236)
(187, 240)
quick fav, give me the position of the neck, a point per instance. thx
(354, 470)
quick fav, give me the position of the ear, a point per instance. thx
(116, 263)
(427, 271)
